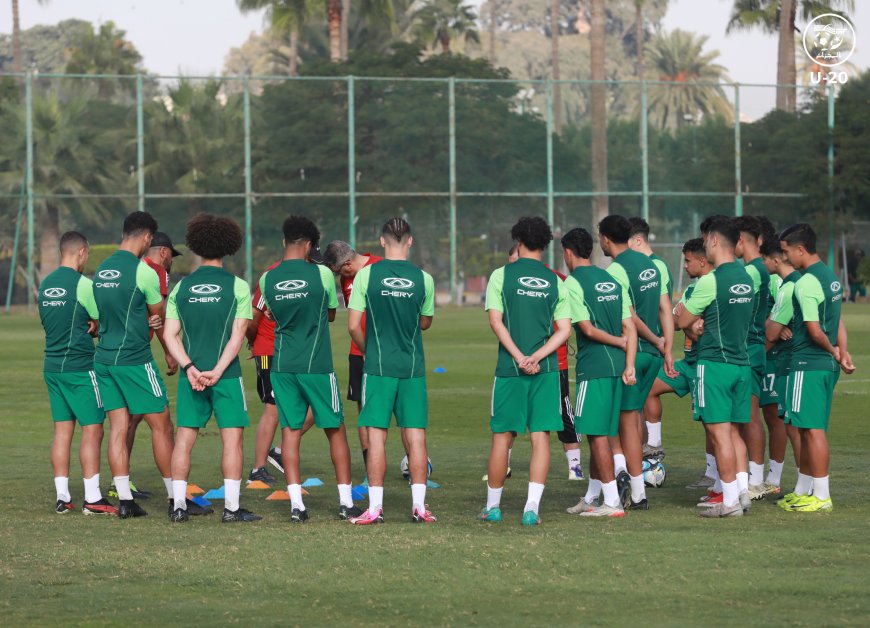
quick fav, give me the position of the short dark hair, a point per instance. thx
(396, 228)
(748, 224)
(532, 232)
(770, 246)
(726, 228)
(767, 228)
(639, 226)
(213, 237)
(137, 223)
(800, 234)
(579, 242)
(615, 228)
(72, 242)
(300, 229)
(709, 220)
(695, 246)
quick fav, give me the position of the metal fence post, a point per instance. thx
(550, 212)
(249, 257)
(644, 152)
(831, 255)
(738, 174)
(28, 103)
(451, 92)
(351, 163)
(140, 143)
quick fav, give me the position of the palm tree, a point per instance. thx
(285, 17)
(441, 21)
(600, 204)
(779, 16)
(16, 34)
(678, 58)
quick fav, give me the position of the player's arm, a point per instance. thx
(148, 283)
(666, 318)
(842, 342)
(629, 376)
(356, 307)
(259, 304)
(504, 336)
(242, 317)
(562, 321)
(687, 313)
(599, 335)
(85, 297)
(172, 338)
(809, 296)
(427, 312)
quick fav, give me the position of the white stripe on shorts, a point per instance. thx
(365, 377)
(244, 399)
(96, 389)
(581, 399)
(701, 386)
(152, 377)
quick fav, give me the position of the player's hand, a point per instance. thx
(193, 376)
(93, 328)
(698, 327)
(669, 366)
(660, 345)
(268, 314)
(846, 363)
(155, 322)
(785, 334)
(210, 378)
(678, 309)
(171, 365)
(629, 378)
(532, 370)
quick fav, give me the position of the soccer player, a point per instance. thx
(398, 300)
(696, 265)
(818, 352)
(723, 388)
(753, 432)
(524, 302)
(212, 308)
(127, 291)
(69, 314)
(646, 290)
(606, 351)
(301, 297)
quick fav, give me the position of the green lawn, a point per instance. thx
(664, 566)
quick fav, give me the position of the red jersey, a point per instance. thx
(562, 352)
(347, 288)
(161, 274)
(264, 342)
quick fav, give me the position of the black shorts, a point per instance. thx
(567, 434)
(354, 377)
(264, 378)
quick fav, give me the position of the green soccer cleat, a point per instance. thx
(811, 503)
(490, 515)
(788, 500)
(531, 518)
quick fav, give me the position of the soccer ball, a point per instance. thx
(654, 473)
(403, 466)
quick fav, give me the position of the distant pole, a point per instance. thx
(140, 143)
(738, 175)
(249, 256)
(550, 129)
(351, 163)
(830, 175)
(451, 89)
(28, 103)
(644, 151)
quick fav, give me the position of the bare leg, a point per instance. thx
(752, 434)
(723, 443)
(815, 442)
(60, 447)
(290, 440)
(266, 429)
(418, 458)
(794, 437)
(89, 449)
(232, 459)
(119, 457)
(601, 463)
(377, 467)
(184, 442)
(498, 459)
(629, 437)
(776, 433)
(539, 466)
(161, 440)
(135, 420)
(340, 453)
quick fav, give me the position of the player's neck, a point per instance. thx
(535, 255)
(131, 246)
(812, 259)
(217, 263)
(359, 262)
(294, 252)
(644, 248)
(618, 249)
(785, 271)
(70, 263)
(580, 262)
(396, 252)
(749, 255)
(723, 257)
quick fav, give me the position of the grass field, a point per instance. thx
(664, 566)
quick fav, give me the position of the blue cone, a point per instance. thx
(312, 482)
(359, 492)
(199, 500)
(431, 484)
(440, 369)
(215, 493)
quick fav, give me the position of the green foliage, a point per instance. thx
(438, 22)
(44, 48)
(864, 271)
(106, 51)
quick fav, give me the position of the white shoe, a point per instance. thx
(582, 506)
(603, 511)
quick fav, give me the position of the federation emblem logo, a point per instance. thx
(835, 287)
(534, 282)
(740, 289)
(648, 274)
(605, 286)
(291, 285)
(54, 293)
(109, 274)
(205, 288)
(829, 40)
(397, 283)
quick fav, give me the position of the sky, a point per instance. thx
(193, 36)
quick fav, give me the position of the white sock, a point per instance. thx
(573, 456)
(619, 464)
(179, 494)
(122, 486)
(774, 476)
(92, 489)
(743, 482)
(232, 488)
(654, 434)
(535, 492)
(611, 494)
(167, 482)
(638, 491)
(418, 495)
(376, 498)
(821, 488)
(730, 493)
(345, 497)
(593, 490)
(61, 487)
(717, 485)
(803, 485)
(295, 492)
(712, 471)
(493, 496)
(756, 473)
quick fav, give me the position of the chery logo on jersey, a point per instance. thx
(835, 288)
(533, 282)
(606, 287)
(740, 289)
(54, 293)
(397, 287)
(108, 274)
(648, 275)
(205, 289)
(293, 286)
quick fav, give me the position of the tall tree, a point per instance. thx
(600, 203)
(442, 21)
(105, 51)
(285, 17)
(333, 21)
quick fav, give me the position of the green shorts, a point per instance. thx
(769, 394)
(808, 398)
(780, 386)
(75, 397)
(646, 367)
(138, 388)
(226, 400)
(758, 364)
(296, 392)
(527, 403)
(723, 393)
(382, 397)
(596, 412)
(682, 383)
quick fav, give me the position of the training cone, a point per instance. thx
(431, 484)
(313, 482)
(200, 501)
(359, 492)
(193, 489)
(215, 493)
(278, 496)
(257, 484)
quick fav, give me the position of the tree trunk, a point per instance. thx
(445, 43)
(293, 56)
(600, 207)
(334, 18)
(786, 72)
(554, 43)
(345, 12)
(16, 38)
(49, 241)
(493, 12)
(639, 36)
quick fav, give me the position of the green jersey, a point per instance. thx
(761, 288)
(775, 283)
(593, 296)
(817, 297)
(394, 294)
(206, 302)
(644, 284)
(690, 354)
(665, 273)
(530, 297)
(783, 313)
(124, 287)
(66, 305)
(725, 298)
(299, 295)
